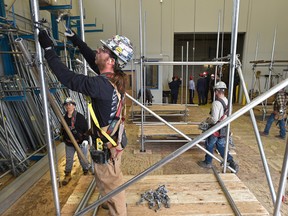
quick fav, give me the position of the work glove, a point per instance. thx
(72, 36)
(281, 112)
(45, 40)
(69, 33)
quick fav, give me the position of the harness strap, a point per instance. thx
(73, 119)
(95, 120)
(225, 108)
(118, 118)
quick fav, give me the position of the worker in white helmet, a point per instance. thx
(107, 93)
(219, 112)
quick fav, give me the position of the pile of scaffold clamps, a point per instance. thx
(156, 198)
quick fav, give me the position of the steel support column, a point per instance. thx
(35, 14)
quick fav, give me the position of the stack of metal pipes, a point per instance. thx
(21, 111)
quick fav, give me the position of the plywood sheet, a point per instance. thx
(164, 130)
(162, 108)
(190, 194)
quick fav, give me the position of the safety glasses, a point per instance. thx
(105, 50)
(69, 104)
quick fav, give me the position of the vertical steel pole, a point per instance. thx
(254, 78)
(186, 79)
(193, 58)
(83, 59)
(145, 67)
(270, 73)
(142, 149)
(282, 182)
(182, 69)
(222, 39)
(257, 134)
(217, 52)
(161, 27)
(7, 139)
(232, 70)
(35, 14)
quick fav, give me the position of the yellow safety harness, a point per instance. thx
(99, 143)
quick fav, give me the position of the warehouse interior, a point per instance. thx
(244, 42)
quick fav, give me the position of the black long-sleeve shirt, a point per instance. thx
(103, 95)
(78, 128)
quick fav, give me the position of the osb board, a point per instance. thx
(163, 130)
(195, 194)
(162, 108)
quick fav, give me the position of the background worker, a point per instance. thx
(211, 87)
(107, 93)
(78, 126)
(148, 96)
(191, 90)
(278, 114)
(174, 88)
(217, 114)
(207, 79)
(201, 89)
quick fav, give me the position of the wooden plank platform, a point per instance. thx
(164, 130)
(162, 110)
(190, 194)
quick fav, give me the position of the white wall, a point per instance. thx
(257, 18)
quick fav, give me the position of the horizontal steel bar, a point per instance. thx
(10, 52)
(166, 141)
(183, 63)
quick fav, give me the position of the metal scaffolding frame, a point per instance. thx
(256, 74)
(190, 144)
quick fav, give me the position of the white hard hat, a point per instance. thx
(69, 100)
(220, 85)
(121, 47)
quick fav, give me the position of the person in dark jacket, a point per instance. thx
(207, 78)
(174, 88)
(201, 89)
(107, 91)
(79, 127)
(148, 96)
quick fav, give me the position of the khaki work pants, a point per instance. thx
(108, 177)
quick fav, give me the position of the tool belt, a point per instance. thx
(101, 153)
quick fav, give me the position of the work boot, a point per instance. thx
(66, 179)
(263, 133)
(204, 164)
(234, 166)
(105, 206)
(280, 137)
(85, 172)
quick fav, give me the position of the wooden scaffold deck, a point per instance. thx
(162, 133)
(162, 110)
(190, 194)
